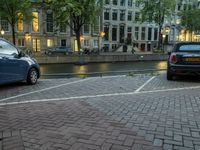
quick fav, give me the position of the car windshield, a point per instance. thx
(189, 47)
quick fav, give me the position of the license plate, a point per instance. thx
(193, 59)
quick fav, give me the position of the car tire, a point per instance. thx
(32, 76)
(169, 75)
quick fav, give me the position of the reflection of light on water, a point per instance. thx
(80, 69)
(161, 65)
(104, 67)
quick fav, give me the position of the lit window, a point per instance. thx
(50, 43)
(35, 24)
(20, 23)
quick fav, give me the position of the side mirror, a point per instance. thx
(21, 54)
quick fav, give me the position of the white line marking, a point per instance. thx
(45, 89)
(101, 95)
(136, 91)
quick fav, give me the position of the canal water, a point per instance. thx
(96, 69)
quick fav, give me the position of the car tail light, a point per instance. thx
(173, 58)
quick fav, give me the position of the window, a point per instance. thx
(129, 29)
(107, 2)
(114, 14)
(50, 22)
(86, 29)
(35, 22)
(21, 42)
(129, 35)
(136, 33)
(114, 33)
(155, 34)
(143, 33)
(122, 15)
(114, 46)
(63, 28)
(149, 33)
(106, 14)
(106, 31)
(5, 25)
(129, 16)
(137, 16)
(86, 42)
(20, 24)
(96, 29)
(95, 43)
(130, 3)
(7, 49)
(115, 2)
(189, 47)
(50, 43)
(121, 34)
(122, 2)
(137, 3)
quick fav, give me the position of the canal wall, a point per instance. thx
(99, 58)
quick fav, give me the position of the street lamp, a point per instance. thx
(2, 33)
(101, 35)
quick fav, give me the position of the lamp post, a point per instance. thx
(100, 36)
(2, 33)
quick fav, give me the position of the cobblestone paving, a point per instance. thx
(92, 86)
(138, 121)
(65, 125)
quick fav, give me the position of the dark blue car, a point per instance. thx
(16, 66)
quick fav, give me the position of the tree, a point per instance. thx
(188, 21)
(14, 11)
(156, 11)
(76, 13)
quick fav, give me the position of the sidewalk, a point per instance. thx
(142, 112)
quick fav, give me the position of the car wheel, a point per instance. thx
(169, 75)
(32, 76)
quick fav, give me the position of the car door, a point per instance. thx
(12, 68)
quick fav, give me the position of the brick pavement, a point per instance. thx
(159, 120)
(65, 125)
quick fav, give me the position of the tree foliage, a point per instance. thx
(187, 15)
(76, 13)
(156, 11)
(14, 11)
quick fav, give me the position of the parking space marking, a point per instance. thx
(45, 89)
(136, 91)
(101, 95)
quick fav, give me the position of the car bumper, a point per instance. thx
(185, 69)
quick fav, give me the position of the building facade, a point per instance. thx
(121, 24)
(119, 20)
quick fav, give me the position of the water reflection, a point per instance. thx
(161, 65)
(101, 67)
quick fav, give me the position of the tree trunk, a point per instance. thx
(13, 33)
(159, 38)
(78, 41)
